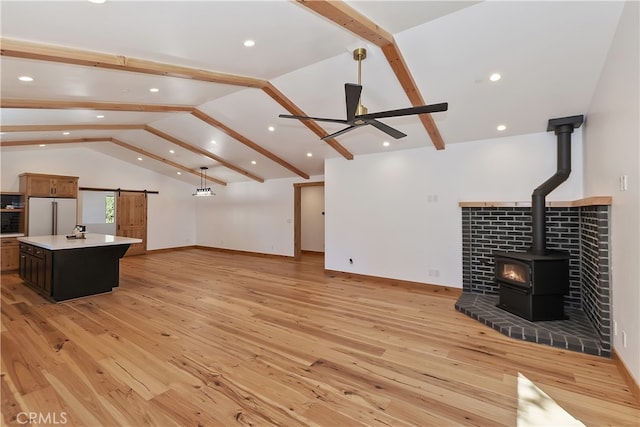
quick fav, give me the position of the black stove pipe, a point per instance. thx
(563, 128)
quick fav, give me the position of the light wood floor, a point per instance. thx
(203, 338)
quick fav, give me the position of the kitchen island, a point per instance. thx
(61, 268)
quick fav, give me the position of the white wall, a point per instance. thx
(249, 216)
(312, 218)
(171, 216)
(396, 214)
(612, 138)
(91, 212)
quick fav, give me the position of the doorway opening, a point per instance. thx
(308, 219)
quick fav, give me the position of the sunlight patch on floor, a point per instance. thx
(536, 408)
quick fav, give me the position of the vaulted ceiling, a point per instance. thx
(216, 102)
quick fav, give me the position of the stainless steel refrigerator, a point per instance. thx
(49, 216)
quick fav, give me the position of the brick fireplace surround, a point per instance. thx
(580, 228)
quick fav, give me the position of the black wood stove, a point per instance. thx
(533, 284)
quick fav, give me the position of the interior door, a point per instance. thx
(131, 219)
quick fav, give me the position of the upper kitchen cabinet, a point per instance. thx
(40, 185)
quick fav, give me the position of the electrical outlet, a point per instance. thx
(615, 328)
(624, 339)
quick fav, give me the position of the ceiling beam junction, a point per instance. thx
(112, 140)
(19, 103)
(163, 160)
(28, 50)
(279, 97)
(348, 18)
(246, 141)
(201, 151)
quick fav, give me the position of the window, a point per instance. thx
(110, 209)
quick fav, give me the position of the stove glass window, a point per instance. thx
(513, 272)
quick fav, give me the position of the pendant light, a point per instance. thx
(203, 190)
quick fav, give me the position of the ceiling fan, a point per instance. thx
(357, 114)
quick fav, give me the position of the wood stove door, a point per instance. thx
(513, 272)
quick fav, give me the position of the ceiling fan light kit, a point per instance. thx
(358, 115)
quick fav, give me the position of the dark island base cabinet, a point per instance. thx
(71, 273)
(35, 268)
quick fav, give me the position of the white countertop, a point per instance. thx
(59, 242)
(11, 235)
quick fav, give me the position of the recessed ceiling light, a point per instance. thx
(253, 162)
(66, 133)
(249, 43)
(100, 116)
(140, 158)
(213, 141)
(495, 77)
(154, 89)
(271, 128)
(25, 79)
(43, 145)
(172, 151)
(501, 127)
(386, 144)
(309, 154)
(97, 1)
(179, 173)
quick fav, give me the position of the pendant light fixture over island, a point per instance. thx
(203, 190)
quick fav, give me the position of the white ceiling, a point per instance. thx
(550, 55)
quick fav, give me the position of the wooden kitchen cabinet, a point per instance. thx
(9, 254)
(41, 185)
(35, 268)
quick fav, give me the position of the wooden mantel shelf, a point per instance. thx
(589, 201)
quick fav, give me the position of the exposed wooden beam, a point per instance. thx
(90, 105)
(163, 160)
(50, 141)
(400, 68)
(350, 19)
(200, 151)
(21, 49)
(246, 141)
(48, 128)
(279, 97)
(309, 184)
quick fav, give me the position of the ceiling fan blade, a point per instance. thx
(423, 109)
(340, 132)
(317, 119)
(395, 133)
(352, 98)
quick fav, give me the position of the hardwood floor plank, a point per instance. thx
(10, 405)
(200, 337)
(81, 399)
(23, 374)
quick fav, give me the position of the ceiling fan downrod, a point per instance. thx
(359, 54)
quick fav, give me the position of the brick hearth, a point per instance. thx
(580, 228)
